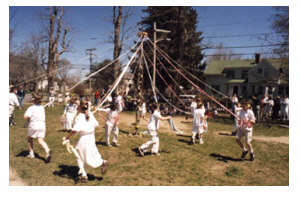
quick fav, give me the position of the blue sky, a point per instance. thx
(91, 29)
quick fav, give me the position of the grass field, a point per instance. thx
(216, 162)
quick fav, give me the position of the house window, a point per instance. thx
(216, 87)
(280, 90)
(270, 90)
(260, 71)
(260, 90)
(230, 74)
(253, 89)
(244, 74)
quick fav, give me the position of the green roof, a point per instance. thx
(217, 67)
(236, 81)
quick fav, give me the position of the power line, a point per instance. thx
(241, 35)
(253, 46)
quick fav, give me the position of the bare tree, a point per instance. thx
(64, 70)
(222, 53)
(54, 40)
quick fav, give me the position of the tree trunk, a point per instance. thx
(117, 20)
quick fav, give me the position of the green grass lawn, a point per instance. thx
(216, 162)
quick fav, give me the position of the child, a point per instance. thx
(51, 97)
(198, 123)
(88, 153)
(246, 119)
(237, 110)
(119, 100)
(142, 109)
(153, 126)
(69, 114)
(112, 121)
(67, 99)
(60, 99)
(87, 100)
(35, 114)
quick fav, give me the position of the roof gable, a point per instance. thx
(217, 67)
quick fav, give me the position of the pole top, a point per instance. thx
(142, 34)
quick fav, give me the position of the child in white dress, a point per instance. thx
(198, 122)
(69, 114)
(112, 122)
(153, 144)
(88, 153)
(35, 114)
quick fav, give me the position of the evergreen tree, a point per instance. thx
(184, 46)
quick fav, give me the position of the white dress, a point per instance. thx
(70, 111)
(86, 146)
(37, 126)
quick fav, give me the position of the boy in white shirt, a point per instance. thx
(153, 144)
(70, 114)
(37, 128)
(246, 119)
(237, 110)
(198, 122)
(112, 122)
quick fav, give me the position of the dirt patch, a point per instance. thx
(282, 139)
(14, 179)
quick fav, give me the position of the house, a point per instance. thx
(247, 77)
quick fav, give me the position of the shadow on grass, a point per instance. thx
(71, 172)
(24, 153)
(64, 130)
(186, 122)
(226, 134)
(224, 158)
(136, 150)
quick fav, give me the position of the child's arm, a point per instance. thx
(165, 118)
(70, 134)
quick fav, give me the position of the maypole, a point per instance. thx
(139, 87)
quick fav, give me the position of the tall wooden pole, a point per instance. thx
(154, 59)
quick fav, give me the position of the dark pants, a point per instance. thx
(96, 101)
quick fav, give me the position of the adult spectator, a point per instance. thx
(285, 108)
(276, 108)
(96, 97)
(21, 95)
(255, 101)
(234, 101)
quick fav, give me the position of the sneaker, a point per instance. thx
(115, 144)
(82, 179)
(108, 144)
(31, 156)
(192, 141)
(155, 154)
(104, 167)
(201, 141)
(141, 152)
(244, 153)
(49, 156)
(252, 157)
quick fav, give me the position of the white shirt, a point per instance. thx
(237, 110)
(36, 113)
(234, 99)
(71, 108)
(246, 115)
(143, 108)
(111, 117)
(193, 106)
(83, 126)
(153, 124)
(13, 100)
(51, 93)
(198, 117)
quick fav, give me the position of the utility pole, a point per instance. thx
(154, 53)
(89, 51)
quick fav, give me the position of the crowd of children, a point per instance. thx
(85, 123)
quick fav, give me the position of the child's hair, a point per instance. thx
(154, 107)
(199, 105)
(113, 106)
(84, 109)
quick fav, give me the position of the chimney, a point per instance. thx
(257, 58)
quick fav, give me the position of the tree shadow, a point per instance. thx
(24, 153)
(186, 122)
(224, 158)
(71, 172)
(226, 134)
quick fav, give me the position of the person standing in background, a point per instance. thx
(13, 102)
(51, 97)
(96, 97)
(21, 95)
